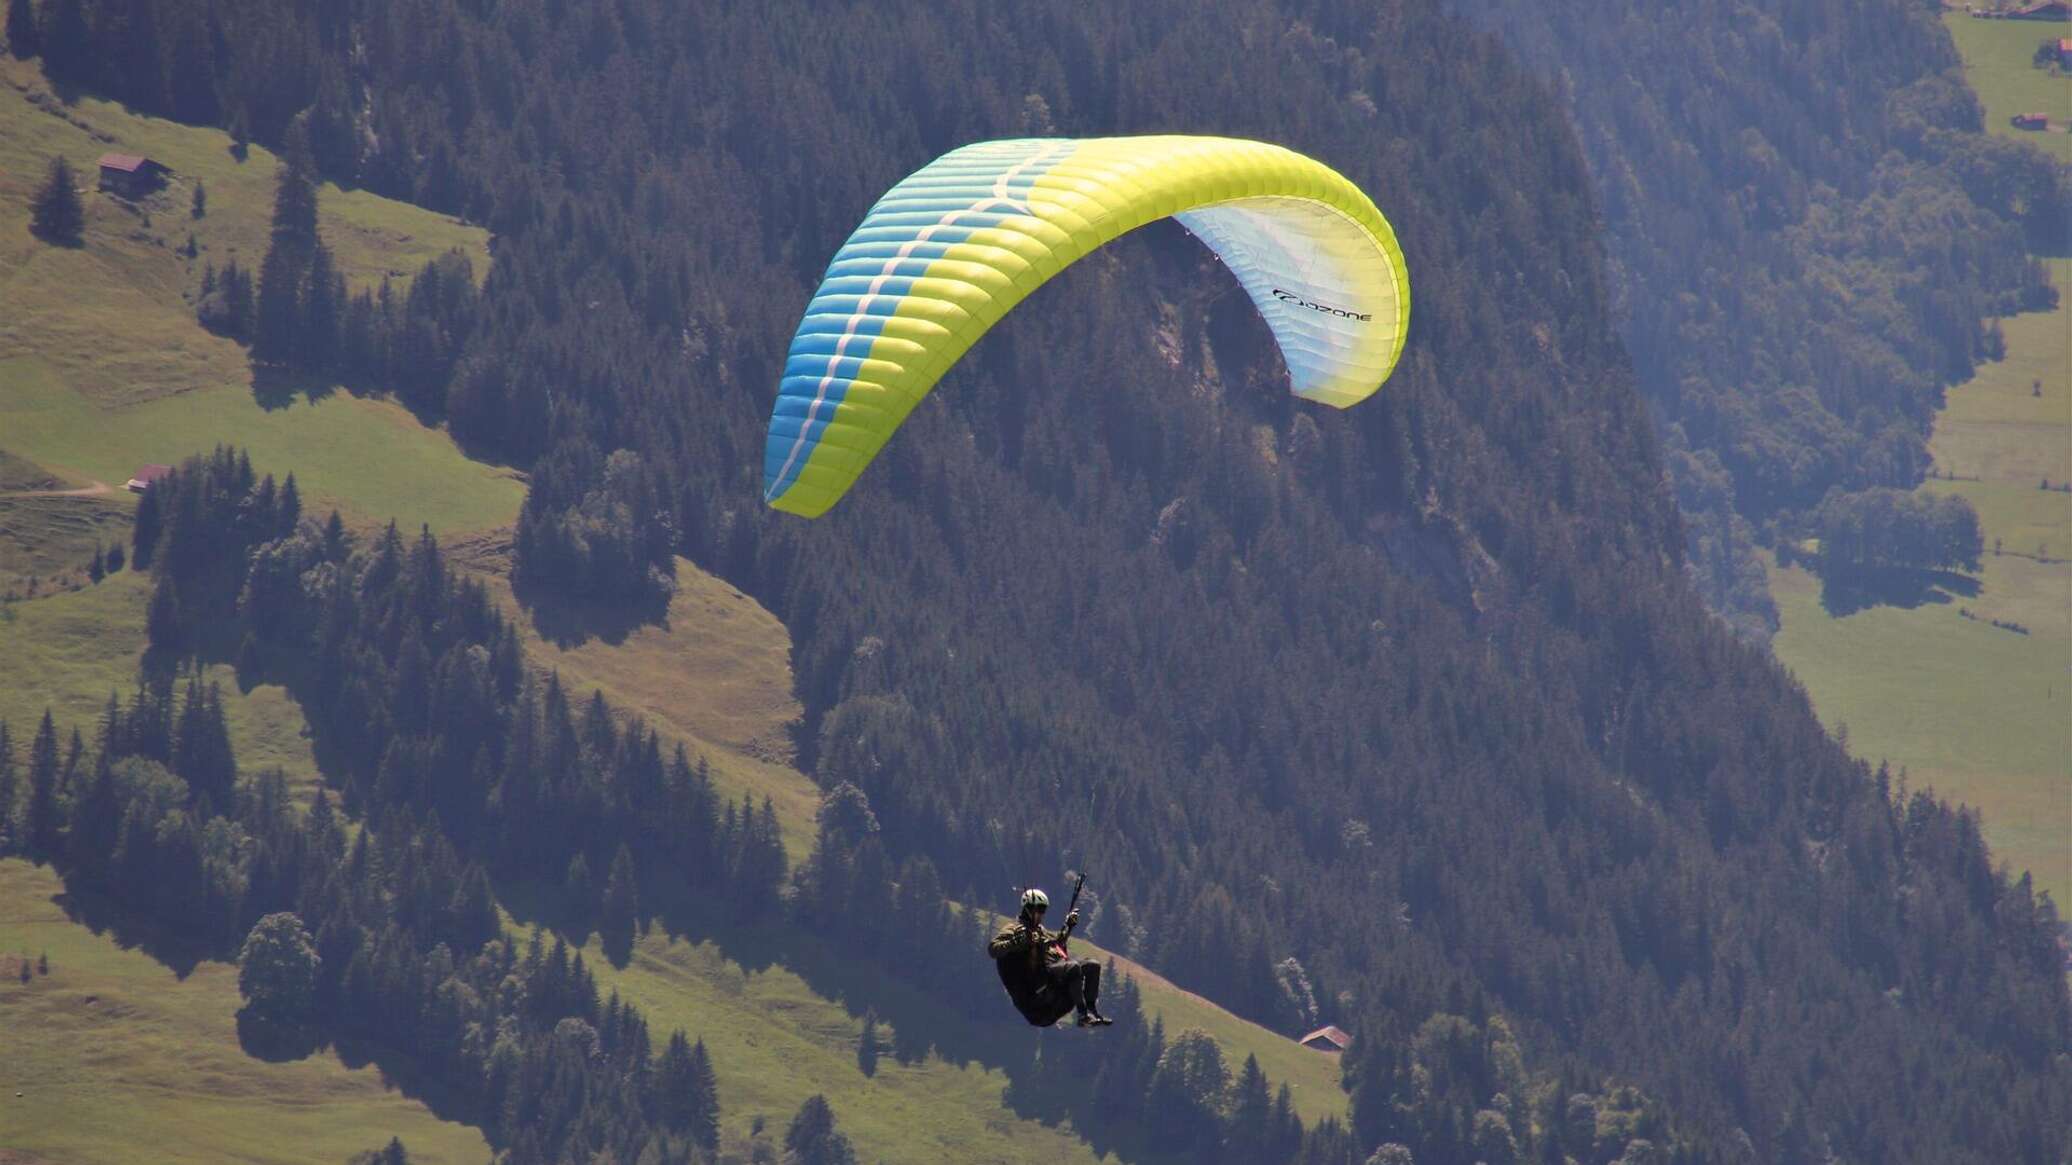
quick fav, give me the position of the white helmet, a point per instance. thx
(1033, 899)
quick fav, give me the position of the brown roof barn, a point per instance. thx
(146, 478)
(1327, 1039)
(130, 175)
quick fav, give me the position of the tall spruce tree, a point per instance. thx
(323, 302)
(621, 914)
(867, 1045)
(23, 39)
(279, 332)
(704, 1100)
(277, 321)
(57, 216)
(40, 822)
(8, 821)
(145, 528)
(812, 1138)
(66, 41)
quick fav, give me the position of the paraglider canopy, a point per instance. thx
(953, 247)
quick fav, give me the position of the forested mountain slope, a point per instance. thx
(1809, 234)
(1404, 718)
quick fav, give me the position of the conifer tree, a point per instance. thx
(704, 1103)
(96, 824)
(8, 828)
(128, 39)
(278, 332)
(867, 1045)
(22, 38)
(277, 319)
(1251, 1115)
(201, 745)
(66, 41)
(576, 885)
(97, 567)
(812, 1138)
(162, 625)
(621, 914)
(40, 821)
(295, 192)
(675, 1083)
(290, 507)
(323, 302)
(145, 527)
(57, 216)
(198, 207)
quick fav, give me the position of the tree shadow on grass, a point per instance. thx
(91, 909)
(418, 1082)
(568, 623)
(275, 386)
(275, 1043)
(956, 1013)
(1846, 592)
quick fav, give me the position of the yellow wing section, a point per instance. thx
(953, 247)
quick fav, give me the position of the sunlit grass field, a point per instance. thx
(67, 652)
(118, 1059)
(47, 538)
(102, 368)
(1982, 713)
(1996, 63)
(367, 457)
(717, 676)
(112, 318)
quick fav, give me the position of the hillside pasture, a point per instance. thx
(19, 474)
(67, 652)
(118, 1058)
(715, 673)
(114, 317)
(102, 368)
(46, 537)
(1980, 714)
(367, 457)
(1997, 55)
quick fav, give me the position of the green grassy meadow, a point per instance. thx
(1980, 713)
(117, 1058)
(775, 1042)
(47, 537)
(113, 317)
(67, 652)
(103, 368)
(717, 676)
(18, 473)
(369, 458)
(1996, 63)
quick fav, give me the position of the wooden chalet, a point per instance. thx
(131, 175)
(146, 477)
(1327, 1039)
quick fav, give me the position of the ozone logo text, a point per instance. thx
(1290, 297)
